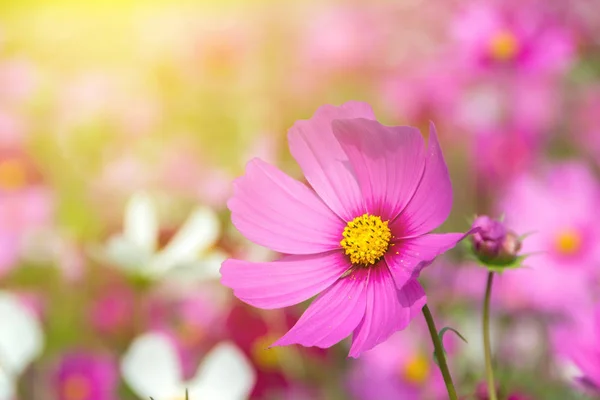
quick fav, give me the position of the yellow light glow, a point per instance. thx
(416, 370)
(504, 46)
(76, 387)
(568, 241)
(12, 174)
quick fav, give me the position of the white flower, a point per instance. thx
(186, 256)
(21, 341)
(151, 368)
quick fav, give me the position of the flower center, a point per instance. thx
(568, 242)
(366, 239)
(504, 46)
(12, 175)
(76, 387)
(416, 370)
(268, 359)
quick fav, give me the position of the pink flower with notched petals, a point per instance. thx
(358, 235)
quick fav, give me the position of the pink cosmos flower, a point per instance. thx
(555, 207)
(523, 39)
(358, 235)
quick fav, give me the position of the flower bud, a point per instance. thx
(493, 243)
(487, 242)
(509, 249)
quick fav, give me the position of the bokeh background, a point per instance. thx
(123, 123)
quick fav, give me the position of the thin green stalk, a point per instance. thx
(439, 353)
(489, 370)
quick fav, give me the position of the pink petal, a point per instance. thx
(388, 162)
(323, 161)
(333, 315)
(413, 296)
(408, 257)
(388, 309)
(432, 201)
(278, 212)
(283, 283)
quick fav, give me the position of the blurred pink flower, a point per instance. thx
(111, 313)
(340, 37)
(359, 189)
(481, 393)
(18, 81)
(194, 322)
(587, 123)
(401, 368)
(576, 342)
(252, 333)
(26, 206)
(183, 172)
(522, 39)
(423, 93)
(12, 130)
(555, 208)
(498, 155)
(524, 103)
(86, 376)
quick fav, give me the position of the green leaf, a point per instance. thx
(441, 334)
(446, 329)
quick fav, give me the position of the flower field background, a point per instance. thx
(123, 125)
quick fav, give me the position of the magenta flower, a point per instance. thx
(358, 235)
(87, 376)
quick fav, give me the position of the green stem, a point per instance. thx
(489, 370)
(439, 353)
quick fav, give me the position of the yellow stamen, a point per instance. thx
(568, 242)
(76, 387)
(366, 239)
(12, 174)
(263, 356)
(504, 46)
(416, 370)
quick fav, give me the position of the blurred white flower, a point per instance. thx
(21, 341)
(187, 256)
(151, 368)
